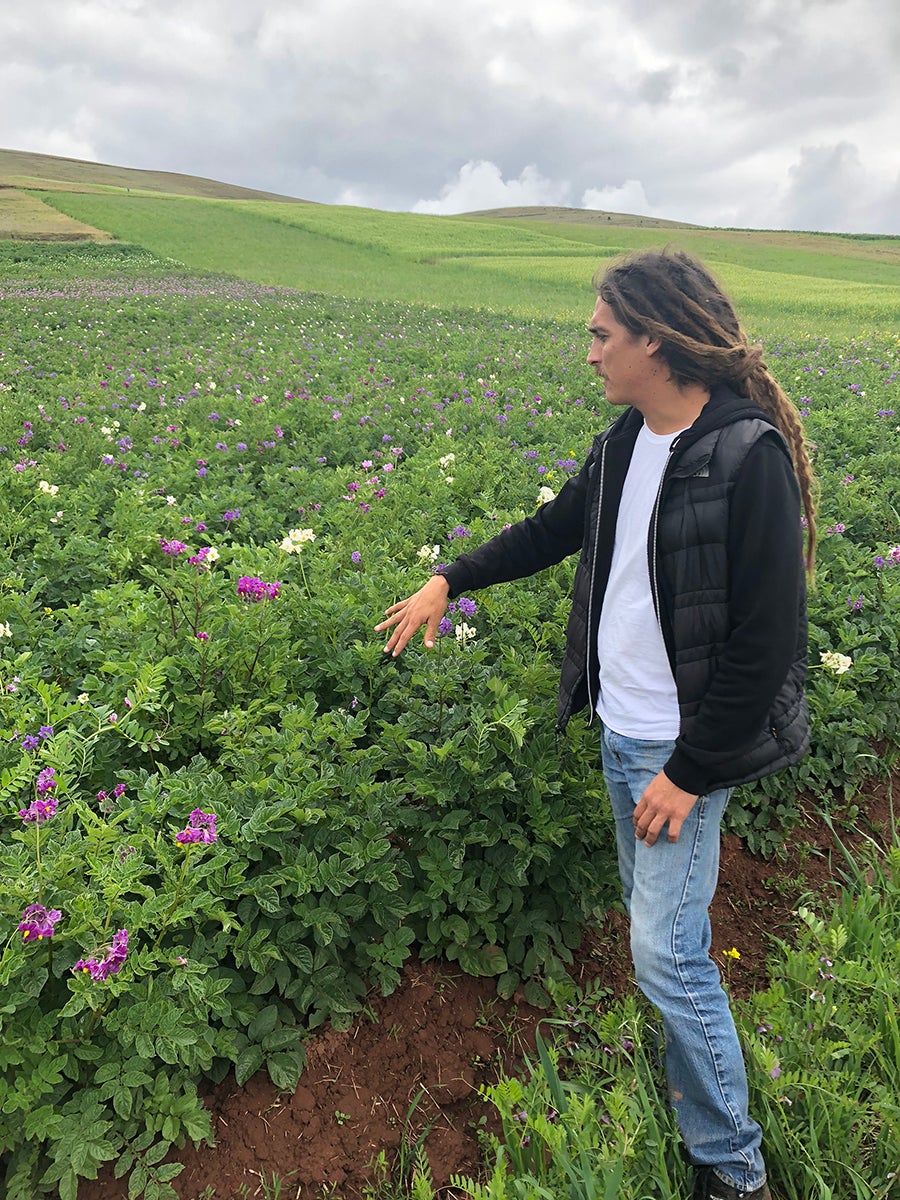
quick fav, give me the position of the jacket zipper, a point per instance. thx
(590, 623)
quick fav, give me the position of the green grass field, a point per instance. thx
(530, 263)
(784, 283)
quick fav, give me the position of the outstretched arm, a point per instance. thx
(424, 607)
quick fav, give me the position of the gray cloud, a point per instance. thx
(714, 111)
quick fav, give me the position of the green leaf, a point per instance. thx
(264, 1022)
(285, 1068)
(248, 1063)
(507, 984)
(137, 1181)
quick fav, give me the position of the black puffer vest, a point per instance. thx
(688, 561)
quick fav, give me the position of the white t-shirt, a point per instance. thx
(637, 695)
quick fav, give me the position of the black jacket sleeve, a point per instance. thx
(766, 590)
(554, 532)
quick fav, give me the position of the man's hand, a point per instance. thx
(662, 801)
(425, 607)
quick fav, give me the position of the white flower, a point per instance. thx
(83, 698)
(5, 630)
(170, 500)
(838, 663)
(56, 520)
(449, 478)
(545, 495)
(445, 462)
(293, 542)
(49, 489)
(212, 555)
(465, 634)
(429, 553)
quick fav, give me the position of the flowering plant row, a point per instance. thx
(226, 812)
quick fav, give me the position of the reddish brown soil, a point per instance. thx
(427, 1047)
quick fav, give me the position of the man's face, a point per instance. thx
(626, 362)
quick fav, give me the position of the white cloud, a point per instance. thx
(629, 197)
(830, 187)
(481, 185)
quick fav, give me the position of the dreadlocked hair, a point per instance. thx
(672, 297)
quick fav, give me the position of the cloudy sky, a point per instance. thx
(756, 113)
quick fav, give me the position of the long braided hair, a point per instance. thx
(672, 297)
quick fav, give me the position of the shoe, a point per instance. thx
(708, 1186)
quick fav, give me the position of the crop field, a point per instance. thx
(227, 814)
(811, 286)
(24, 216)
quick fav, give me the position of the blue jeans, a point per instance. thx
(668, 888)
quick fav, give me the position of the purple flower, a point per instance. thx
(46, 780)
(251, 587)
(39, 810)
(37, 922)
(119, 790)
(356, 557)
(445, 627)
(201, 827)
(231, 514)
(30, 742)
(45, 731)
(110, 963)
(459, 531)
(467, 606)
(204, 558)
(173, 547)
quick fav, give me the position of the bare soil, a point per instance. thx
(442, 1034)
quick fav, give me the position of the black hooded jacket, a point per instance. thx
(725, 557)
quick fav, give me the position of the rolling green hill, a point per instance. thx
(536, 263)
(48, 172)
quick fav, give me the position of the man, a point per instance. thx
(687, 639)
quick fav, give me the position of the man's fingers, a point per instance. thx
(648, 831)
(392, 615)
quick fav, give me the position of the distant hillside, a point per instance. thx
(579, 216)
(45, 172)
